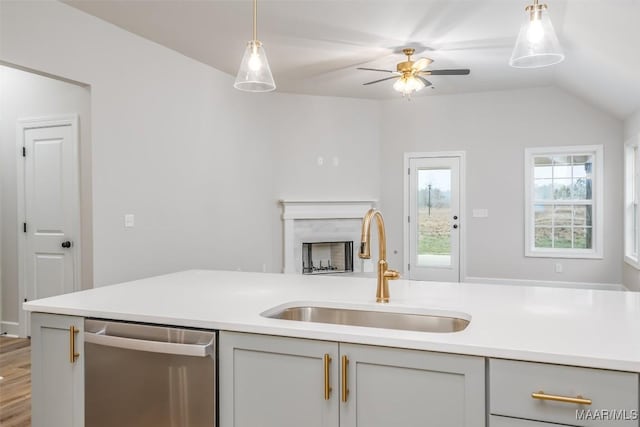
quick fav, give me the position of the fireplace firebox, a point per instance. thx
(332, 222)
(327, 257)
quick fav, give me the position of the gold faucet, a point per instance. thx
(384, 273)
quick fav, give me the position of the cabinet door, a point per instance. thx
(393, 387)
(57, 375)
(273, 381)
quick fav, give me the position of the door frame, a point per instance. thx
(23, 125)
(462, 223)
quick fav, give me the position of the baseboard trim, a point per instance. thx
(547, 283)
(11, 329)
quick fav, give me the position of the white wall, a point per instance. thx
(27, 95)
(631, 276)
(494, 128)
(632, 125)
(196, 161)
(345, 133)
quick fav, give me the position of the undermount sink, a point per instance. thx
(370, 318)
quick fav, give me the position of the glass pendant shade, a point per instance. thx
(537, 44)
(254, 74)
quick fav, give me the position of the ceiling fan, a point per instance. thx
(410, 74)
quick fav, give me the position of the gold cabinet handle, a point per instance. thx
(72, 344)
(327, 386)
(345, 389)
(578, 400)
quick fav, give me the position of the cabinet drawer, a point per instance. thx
(512, 384)
(498, 421)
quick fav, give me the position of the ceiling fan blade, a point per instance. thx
(459, 72)
(426, 82)
(378, 81)
(374, 69)
(421, 64)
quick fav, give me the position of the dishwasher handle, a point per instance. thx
(198, 350)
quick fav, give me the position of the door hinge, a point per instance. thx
(408, 219)
(408, 267)
(408, 171)
(24, 227)
(24, 151)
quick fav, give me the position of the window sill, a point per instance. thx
(563, 254)
(633, 262)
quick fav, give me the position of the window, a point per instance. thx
(563, 196)
(631, 213)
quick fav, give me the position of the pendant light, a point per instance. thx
(254, 74)
(537, 44)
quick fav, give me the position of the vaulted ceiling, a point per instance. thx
(314, 46)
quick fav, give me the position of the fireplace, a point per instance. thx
(323, 231)
(336, 256)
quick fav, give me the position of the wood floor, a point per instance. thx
(15, 385)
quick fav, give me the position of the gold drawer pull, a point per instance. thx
(578, 400)
(72, 344)
(327, 386)
(345, 389)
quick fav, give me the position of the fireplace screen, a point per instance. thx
(327, 257)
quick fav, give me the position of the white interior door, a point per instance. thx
(434, 218)
(50, 192)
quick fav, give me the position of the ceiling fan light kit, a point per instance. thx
(254, 74)
(408, 85)
(537, 44)
(410, 74)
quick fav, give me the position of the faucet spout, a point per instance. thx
(384, 273)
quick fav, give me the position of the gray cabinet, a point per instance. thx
(57, 370)
(275, 381)
(565, 395)
(389, 386)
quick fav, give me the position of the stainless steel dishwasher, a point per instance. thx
(141, 375)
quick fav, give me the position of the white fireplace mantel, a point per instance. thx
(296, 209)
(301, 210)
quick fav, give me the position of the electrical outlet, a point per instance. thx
(558, 267)
(129, 220)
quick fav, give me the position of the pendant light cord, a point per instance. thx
(255, 20)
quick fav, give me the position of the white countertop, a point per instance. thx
(591, 328)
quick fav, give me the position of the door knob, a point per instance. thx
(66, 244)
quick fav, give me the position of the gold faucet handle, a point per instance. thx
(392, 274)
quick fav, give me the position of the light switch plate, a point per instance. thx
(129, 220)
(480, 213)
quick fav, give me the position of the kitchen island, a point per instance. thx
(556, 328)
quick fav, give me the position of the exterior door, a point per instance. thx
(49, 262)
(434, 218)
